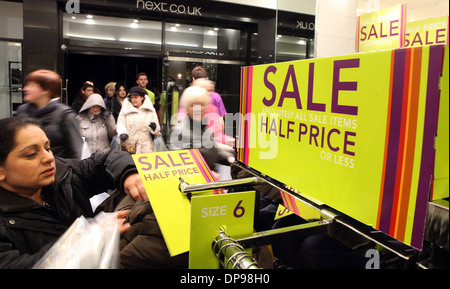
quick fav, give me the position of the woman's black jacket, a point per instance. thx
(28, 229)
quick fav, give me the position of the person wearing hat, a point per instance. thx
(97, 124)
(138, 121)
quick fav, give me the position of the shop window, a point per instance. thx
(290, 48)
(112, 32)
(198, 40)
(10, 77)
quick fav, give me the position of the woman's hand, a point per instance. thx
(121, 219)
(133, 185)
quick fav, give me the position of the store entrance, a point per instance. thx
(102, 69)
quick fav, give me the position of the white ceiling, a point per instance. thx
(415, 9)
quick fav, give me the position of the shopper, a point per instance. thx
(200, 73)
(192, 133)
(112, 104)
(215, 116)
(138, 122)
(97, 124)
(42, 92)
(85, 91)
(42, 195)
(121, 92)
(142, 81)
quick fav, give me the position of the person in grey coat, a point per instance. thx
(97, 124)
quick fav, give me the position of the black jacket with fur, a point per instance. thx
(28, 229)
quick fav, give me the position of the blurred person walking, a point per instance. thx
(193, 133)
(42, 92)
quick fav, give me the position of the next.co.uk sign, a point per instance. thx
(73, 6)
(169, 8)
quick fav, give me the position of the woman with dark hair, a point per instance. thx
(42, 92)
(42, 195)
(121, 92)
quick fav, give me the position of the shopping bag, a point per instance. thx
(85, 152)
(115, 143)
(160, 146)
(87, 244)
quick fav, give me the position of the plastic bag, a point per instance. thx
(85, 151)
(115, 143)
(87, 244)
(160, 146)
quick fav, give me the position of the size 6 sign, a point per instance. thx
(208, 214)
(238, 211)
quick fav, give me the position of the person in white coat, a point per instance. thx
(138, 121)
(97, 124)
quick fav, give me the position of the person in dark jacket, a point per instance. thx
(42, 195)
(42, 93)
(112, 104)
(85, 91)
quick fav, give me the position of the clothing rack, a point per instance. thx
(231, 250)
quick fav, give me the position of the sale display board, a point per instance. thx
(384, 29)
(432, 31)
(355, 132)
(234, 212)
(441, 180)
(160, 173)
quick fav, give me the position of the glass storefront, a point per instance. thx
(180, 46)
(10, 77)
(103, 44)
(11, 36)
(94, 31)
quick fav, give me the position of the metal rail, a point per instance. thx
(229, 252)
(329, 216)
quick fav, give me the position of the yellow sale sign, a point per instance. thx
(384, 29)
(427, 32)
(161, 172)
(354, 132)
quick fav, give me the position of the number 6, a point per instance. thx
(239, 208)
